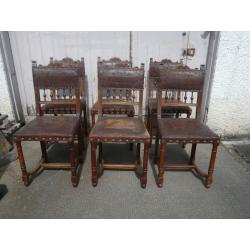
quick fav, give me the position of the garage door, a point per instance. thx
(40, 46)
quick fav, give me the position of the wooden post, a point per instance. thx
(73, 163)
(92, 119)
(80, 145)
(138, 153)
(100, 152)
(25, 174)
(44, 151)
(85, 119)
(161, 164)
(93, 163)
(211, 165)
(192, 157)
(150, 125)
(145, 166)
(156, 147)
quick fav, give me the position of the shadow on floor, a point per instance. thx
(60, 153)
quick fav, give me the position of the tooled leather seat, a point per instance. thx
(185, 130)
(49, 127)
(119, 129)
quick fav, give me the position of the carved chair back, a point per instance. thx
(68, 63)
(58, 83)
(154, 74)
(112, 63)
(182, 84)
(114, 79)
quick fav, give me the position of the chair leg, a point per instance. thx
(161, 164)
(80, 136)
(148, 116)
(100, 153)
(150, 126)
(145, 165)
(211, 165)
(156, 147)
(92, 119)
(138, 153)
(25, 174)
(93, 164)
(72, 158)
(192, 156)
(44, 151)
(85, 120)
(80, 145)
(131, 145)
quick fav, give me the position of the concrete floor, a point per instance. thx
(119, 195)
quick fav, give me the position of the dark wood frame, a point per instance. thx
(153, 79)
(121, 81)
(188, 82)
(43, 163)
(111, 107)
(54, 79)
(68, 63)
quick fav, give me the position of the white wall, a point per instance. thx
(5, 104)
(229, 106)
(160, 45)
(40, 46)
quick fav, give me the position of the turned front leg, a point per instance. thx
(211, 165)
(73, 164)
(93, 163)
(161, 164)
(145, 166)
(25, 174)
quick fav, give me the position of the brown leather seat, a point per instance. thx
(185, 130)
(172, 106)
(119, 129)
(115, 108)
(61, 108)
(49, 128)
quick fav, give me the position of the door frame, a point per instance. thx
(10, 72)
(213, 44)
